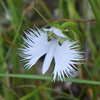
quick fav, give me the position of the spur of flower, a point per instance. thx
(54, 44)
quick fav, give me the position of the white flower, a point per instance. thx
(65, 55)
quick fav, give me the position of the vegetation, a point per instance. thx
(18, 15)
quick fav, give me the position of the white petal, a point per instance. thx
(36, 47)
(63, 56)
(56, 31)
(49, 56)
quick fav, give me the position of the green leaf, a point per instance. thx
(42, 77)
(47, 11)
(73, 31)
(96, 11)
(60, 8)
(95, 95)
(40, 14)
(96, 67)
(33, 92)
(13, 11)
(93, 86)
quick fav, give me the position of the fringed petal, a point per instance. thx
(36, 46)
(65, 58)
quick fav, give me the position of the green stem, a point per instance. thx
(34, 92)
(40, 14)
(95, 10)
(95, 97)
(45, 8)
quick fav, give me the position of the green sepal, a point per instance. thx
(71, 25)
(71, 29)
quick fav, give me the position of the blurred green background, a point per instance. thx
(19, 15)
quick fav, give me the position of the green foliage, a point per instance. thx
(72, 29)
(23, 16)
(96, 11)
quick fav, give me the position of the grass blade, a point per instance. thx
(42, 77)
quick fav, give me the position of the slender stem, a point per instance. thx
(40, 14)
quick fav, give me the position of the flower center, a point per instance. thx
(58, 38)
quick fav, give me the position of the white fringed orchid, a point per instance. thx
(65, 54)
